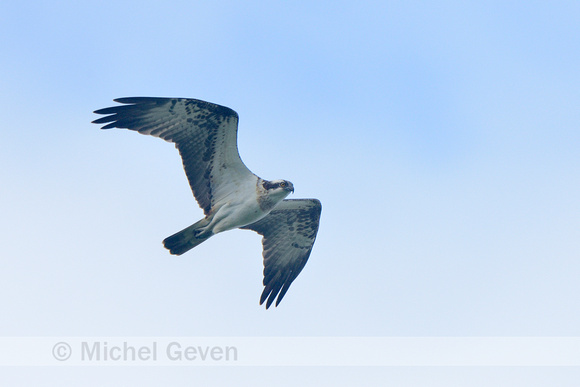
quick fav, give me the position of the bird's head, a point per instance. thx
(279, 187)
(286, 186)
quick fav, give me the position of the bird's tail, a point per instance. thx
(186, 239)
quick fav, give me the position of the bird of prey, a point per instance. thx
(231, 196)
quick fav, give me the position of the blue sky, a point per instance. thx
(441, 137)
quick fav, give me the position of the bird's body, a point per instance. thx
(230, 195)
(239, 210)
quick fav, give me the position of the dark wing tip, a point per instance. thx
(133, 100)
(263, 298)
(110, 119)
(116, 114)
(275, 288)
(269, 295)
(104, 120)
(270, 298)
(144, 100)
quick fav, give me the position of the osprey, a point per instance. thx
(231, 196)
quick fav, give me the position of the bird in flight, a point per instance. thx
(231, 196)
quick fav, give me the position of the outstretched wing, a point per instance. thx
(204, 133)
(289, 232)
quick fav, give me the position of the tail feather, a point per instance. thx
(186, 239)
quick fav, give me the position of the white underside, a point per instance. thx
(239, 207)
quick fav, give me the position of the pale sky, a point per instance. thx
(441, 137)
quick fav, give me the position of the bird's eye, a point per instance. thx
(282, 184)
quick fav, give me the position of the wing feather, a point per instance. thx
(204, 133)
(289, 232)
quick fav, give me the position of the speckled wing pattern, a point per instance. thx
(204, 133)
(288, 231)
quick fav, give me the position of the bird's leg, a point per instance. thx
(214, 220)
